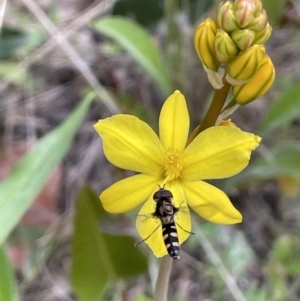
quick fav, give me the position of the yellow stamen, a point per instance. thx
(174, 163)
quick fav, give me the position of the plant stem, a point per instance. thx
(213, 112)
(162, 283)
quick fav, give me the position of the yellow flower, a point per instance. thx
(218, 152)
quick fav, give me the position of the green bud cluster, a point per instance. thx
(246, 22)
(236, 38)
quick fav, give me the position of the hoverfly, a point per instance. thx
(165, 212)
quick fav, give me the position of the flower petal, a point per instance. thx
(128, 193)
(174, 122)
(182, 217)
(150, 228)
(210, 203)
(130, 143)
(218, 152)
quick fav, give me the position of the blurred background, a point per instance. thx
(66, 64)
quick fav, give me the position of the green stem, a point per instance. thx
(213, 112)
(162, 283)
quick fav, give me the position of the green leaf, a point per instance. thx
(89, 274)
(284, 110)
(98, 257)
(29, 175)
(10, 40)
(137, 41)
(281, 160)
(7, 283)
(126, 259)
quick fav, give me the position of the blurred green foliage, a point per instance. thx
(7, 281)
(148, 12)
(98, 257)
(274, 11)
(10, 40)
(138, 42)
(283, 268)
(283, 110)
(19, 189)
(275, 159)
(145, 12)
(8, 72)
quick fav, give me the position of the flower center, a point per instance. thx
(174, 163)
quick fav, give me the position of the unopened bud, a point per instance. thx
(259, 22)
(258, 85)
(226, 17)
(204, 41)
(263, 35)
(226, 50)
(245, 11)
(258, 6)
(243, 38)
(227, 122)
(245, 65)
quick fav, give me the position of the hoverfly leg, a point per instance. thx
(184, 229)
(180, 226)
(147, 236)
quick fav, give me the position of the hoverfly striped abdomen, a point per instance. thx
(165, 211)
(171, 239)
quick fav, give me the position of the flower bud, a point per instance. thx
(226, 50)
(245, 65)
(243, 38)
(228, 122)
(226, 17)
(245, 11)
(259, 22)
(204, 41)
(258, 85)
(263, 35)
(258, 6)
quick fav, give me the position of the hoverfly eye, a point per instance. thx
(162, 193)
(167, 194)
(157, 195)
